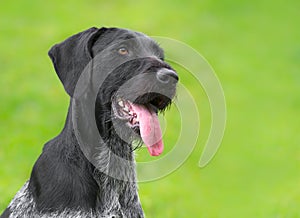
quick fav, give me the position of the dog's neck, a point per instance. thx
(105, 171)
(112, 156)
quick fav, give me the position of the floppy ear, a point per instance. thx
(71, 56)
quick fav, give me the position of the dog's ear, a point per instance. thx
(71, 56)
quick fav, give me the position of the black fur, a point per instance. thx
(69, 182)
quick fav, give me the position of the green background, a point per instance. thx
(254, 48)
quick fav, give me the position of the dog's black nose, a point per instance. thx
(166, 75)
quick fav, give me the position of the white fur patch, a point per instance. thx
(23, 205)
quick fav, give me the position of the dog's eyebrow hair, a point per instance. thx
(127, 37)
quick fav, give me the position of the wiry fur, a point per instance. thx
(23, 205)
(66, 182)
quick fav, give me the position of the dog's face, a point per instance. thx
(139, 86)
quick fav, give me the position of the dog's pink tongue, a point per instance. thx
(149, 129)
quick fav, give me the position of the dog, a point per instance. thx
(118, 82)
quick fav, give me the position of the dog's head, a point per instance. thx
(138, 83)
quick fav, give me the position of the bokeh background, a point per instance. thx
(254, 48)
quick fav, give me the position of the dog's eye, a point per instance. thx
(123, 51)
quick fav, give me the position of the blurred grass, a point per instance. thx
(254, 48)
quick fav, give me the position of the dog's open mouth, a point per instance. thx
(143, 119)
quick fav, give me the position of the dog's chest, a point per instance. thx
(109, 204)
(23, 205)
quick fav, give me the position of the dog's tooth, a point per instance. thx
(121, 103)
(126, 108)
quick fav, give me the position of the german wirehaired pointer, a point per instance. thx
(118, 82)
